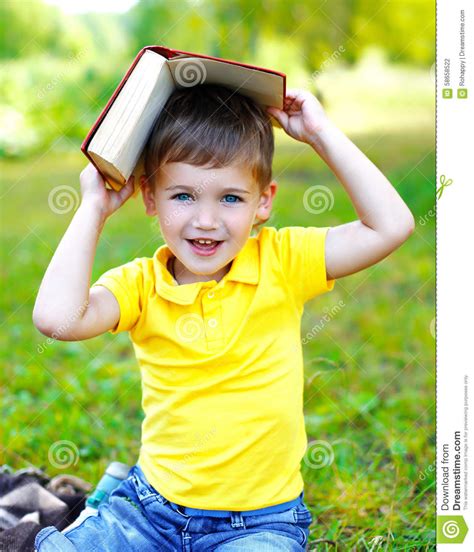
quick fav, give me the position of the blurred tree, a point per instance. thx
(165, 23)
(59, 70)
(32, 28)
(234, 29)
(404, 29)
(316, 28)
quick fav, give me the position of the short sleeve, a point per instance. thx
(302, 256)
(126, 283)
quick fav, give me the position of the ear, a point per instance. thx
(148, 195)
(264, 208)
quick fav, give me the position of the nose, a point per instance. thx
(206, 218)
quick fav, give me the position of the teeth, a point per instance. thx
(204, 241)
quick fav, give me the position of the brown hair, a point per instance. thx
(211, 125)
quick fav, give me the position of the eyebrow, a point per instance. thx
(239, 190)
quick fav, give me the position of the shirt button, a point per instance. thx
(212, 322)
(210, 294)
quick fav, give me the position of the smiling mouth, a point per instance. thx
(209, 245)
(204, 248)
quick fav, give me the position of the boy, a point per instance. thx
(214, 317)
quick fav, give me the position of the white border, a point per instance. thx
(455, 250)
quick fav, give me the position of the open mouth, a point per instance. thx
(204, 248)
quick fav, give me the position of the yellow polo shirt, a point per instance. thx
(222, 369)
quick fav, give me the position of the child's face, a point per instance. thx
(214, 203)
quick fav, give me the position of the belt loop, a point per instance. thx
(143, 488)
(177, 508)
(237, 520)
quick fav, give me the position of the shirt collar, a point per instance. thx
(245, 269)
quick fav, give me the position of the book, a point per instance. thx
(115, 144)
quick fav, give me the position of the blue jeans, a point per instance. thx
(137, 517)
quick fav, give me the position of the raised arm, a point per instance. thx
(66, 308)
(385, 221)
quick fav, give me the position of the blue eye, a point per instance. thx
(236, 199)
(234, 196)
(181, 194)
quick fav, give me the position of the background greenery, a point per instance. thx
(369, 372)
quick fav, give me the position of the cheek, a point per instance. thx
(236, 216)
(172, 214)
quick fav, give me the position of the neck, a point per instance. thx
(171, 267)
(188, 278)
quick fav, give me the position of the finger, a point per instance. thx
(274, 112)
(131, 182)
(292, 94)
(127, 190)
(292, 100)
(279, 115)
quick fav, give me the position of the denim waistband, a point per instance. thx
(225, 513)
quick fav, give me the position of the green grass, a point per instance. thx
(370, 371)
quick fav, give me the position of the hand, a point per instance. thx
(302, 117)
(94, 192)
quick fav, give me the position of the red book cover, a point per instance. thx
(167, 53)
